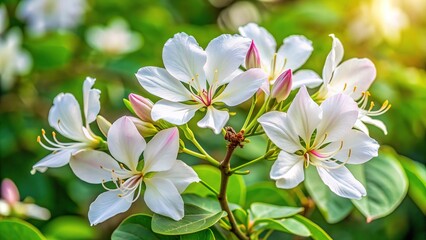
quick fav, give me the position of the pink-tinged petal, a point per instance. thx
(288, 170)
(96, 167)
(162, 197)
(353, 77)
(341, 181)
(282, 86)
(91, 102)
(214, 119)
(9, 191)
(107, 205)
(253, 57)
(53, 160)
(264, 41)
(161, 152)
(278, 128)
(357, 148)
(339, 114)
(184, 59)
(159, 82)
(65, 117)
(173, 112)
(374, 122)
(142, 107)
(242, 87)
(294, 52)
(224, 55)
(181, 175)
(125, 142)
(304, 114)
(306, 78)
(333, 59)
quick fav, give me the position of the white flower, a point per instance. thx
(113, 39)
(13, 59)
(352, 77)
(65, 117)
(44, 15)
(321, 136)
(294, 52)
(204, 73)
(164, 176)
(4, 20)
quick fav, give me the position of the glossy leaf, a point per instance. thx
(19, 229)
(264, 210)
(258, 191)
(331, 206)
(317, 233)
(206, 234)
(385, 182)
(288, 225)
(195, 219)
(69, 227)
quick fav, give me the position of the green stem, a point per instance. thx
(268, 234)
(190, 136)
(247, 163)
(259, 113)
(200, 156)
(253, 105)
(209, 188)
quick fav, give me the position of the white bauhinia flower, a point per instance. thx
(65, 117)
(13, 59)
(294, 52)
(352, 77)
(194, 79)
(116, 38)
(164, 176)
(321, 136)
(45, 15)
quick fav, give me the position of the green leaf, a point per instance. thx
(240, 215)
(195, 219)
(206, 234)
(416, 173)
(19, 230)
(206, 203)
(264, 210)
(211, 175)
(69, 227)
(317, 233)
(331, 206)
(385, 182)
(258, 191)
(138, 227)
(289, 225)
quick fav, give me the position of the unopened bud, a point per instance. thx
(282, 86)
(9, 191)
(252, 57)
(103, 125)
(146, 129)
(142, 107)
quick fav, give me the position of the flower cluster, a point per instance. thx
(325, 130)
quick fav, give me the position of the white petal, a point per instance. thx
(173, 112)
(278, 128)
(304, 114)
(162, 197)
(35, 211)
(91, 100)
(232, 76)
(65, 117)
(374, 122)
(288, 170)
(295, 50)
(357, 148)
(54, 160)
(361, 126)
(161, 152)
(184, 59)
(265, 42)
(159, 82)
(125, 143)
(342, 182)
(214, 119)
(107, 205)
(242, 87)
(339, 114)
(224, 55)
(95, 167)
(306, 78)
(353, 77)
(333, 59)
(181, 175)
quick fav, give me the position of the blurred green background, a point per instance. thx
(61, 61)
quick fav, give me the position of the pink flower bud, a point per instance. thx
(282, 86)
(146, 129)
(142, 107)
(252, 57)
(9, 191)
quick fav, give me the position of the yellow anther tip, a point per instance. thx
(42, 131)
(38, 139)
(54, 134)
